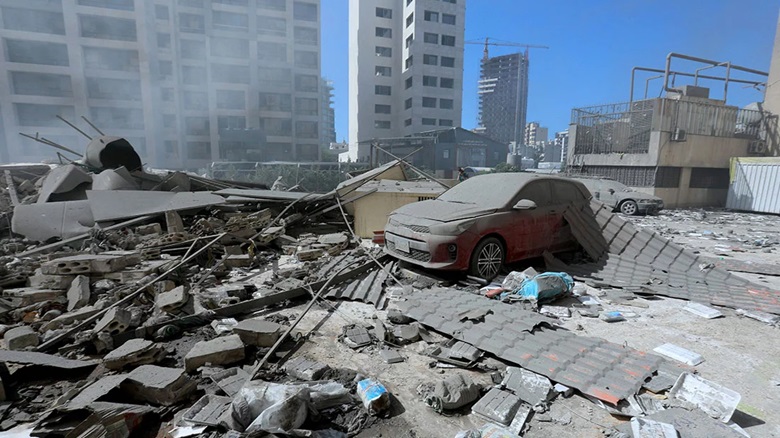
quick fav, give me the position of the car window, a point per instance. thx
(565, 192)
(537, 191)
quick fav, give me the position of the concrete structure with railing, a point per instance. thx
(677, 147)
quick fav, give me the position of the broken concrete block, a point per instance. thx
(713, 398)
(172, 300)
(702, 310)
(407, 333)
(681, 354)
(238, 261)
(158, 385)
(270, 234)
(115, 321)
(391, 356)
(174, 222)
(27, 295)
(84, 264)
(356, 336)
(133, 352)
(643, 427)
(532, 388)
(145, 230)
(78, 294)
(220, 351)
(19, 338)
(334, 239)
(758, 315)
(69, 318)
(258, 332)
(42, 281)
(497, 406)
(97, 390)
(305, 369)
(309, 254)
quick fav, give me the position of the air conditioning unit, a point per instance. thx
(679, 135)
(757, 147)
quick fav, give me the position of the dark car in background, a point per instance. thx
(621, 197)
(484, 222)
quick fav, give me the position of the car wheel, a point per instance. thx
(487, 258)
(629, 207)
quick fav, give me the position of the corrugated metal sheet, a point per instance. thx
(754, 185)
(604, 370)
(369, 289)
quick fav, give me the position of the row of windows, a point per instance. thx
(433, 81)
(430, 102)
(430, 122)
(409, 2)
(433, 38)
(229, 73)
(445, 18)
(444, 61)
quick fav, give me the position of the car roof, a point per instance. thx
(516, 180)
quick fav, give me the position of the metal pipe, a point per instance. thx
(703, 61)
(647, 82)
(726, 85)
(696, 74)
(715, 78)
(74, 127)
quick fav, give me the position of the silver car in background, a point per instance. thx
(621, 197)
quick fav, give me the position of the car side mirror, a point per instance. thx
(611, 191)
(524, 204)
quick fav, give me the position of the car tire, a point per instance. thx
(629, 208)
(487, 258)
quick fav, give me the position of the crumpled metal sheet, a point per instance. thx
(604, 370)
(646, 262)
(369, 289)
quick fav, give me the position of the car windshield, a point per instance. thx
(481, 190)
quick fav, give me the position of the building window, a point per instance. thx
(429, 81)
(230, 74)
(383, 32)
(192, 75)
(191, 23)
(306, 59)
(382, 109)
(409, 40)
(383, 71)
(198, 150)
(449, 1)
(275, 102)
(274, 52)
(191, 3)
(410, 19)
(384, 52)
(383, 90)
(409, 82)
(409, 61)
(306, 106)
(409, 2)
(306, 35)
(429, 102)
(41, 84)
(448, 40)
(666, 177)
(196, 125)
(230, 20)
(426, 121)
(447, 61)
(384, 13)
(163, 41)
(113, 89)
(166, 94)
(107, 28)
(432, 38)
(408, 122)
(447, 83)
(272, 26)
(30, 20)
(430, 60)
(35, 52)
(445, 122)
(195, 100)
(305, 11)
(382, 124)
(408, 103)
(232, 2)
(191, 49)
(164, 70)
(432, 16)
(709, 178)
(445, 153)
(280, 78)
(308, 83)
(446, 103)
(448, 19)
(274, 5)
(161, 12)
(306, 129)
(231, 99)
(277, 127)
(119, 118)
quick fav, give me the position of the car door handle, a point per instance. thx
(551, 212)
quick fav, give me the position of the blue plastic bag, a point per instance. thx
(542, 288)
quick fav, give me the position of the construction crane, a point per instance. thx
(488, 43)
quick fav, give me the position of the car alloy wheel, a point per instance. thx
(488, 258)
(629, 207)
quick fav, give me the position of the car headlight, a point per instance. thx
(452, 228)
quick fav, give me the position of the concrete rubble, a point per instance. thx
(218, 307)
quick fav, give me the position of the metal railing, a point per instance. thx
(614, 128)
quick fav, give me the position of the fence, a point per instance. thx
(614, 128)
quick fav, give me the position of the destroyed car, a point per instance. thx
(621, 197)
(485, 222)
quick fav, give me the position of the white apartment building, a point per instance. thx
(187, 82)
(406, 69)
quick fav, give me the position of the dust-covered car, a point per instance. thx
(621, 197)
(485, 222)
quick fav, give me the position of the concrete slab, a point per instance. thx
(172, 300)
(115, 321)
(41, 281)
(258, 332)
(27, 295)
(391, 356)
(219, 351)
(497, 406)
(96, 390)
(124, 204)
(78, 293)
(61, 180)
(69, 318)
(43, 359)
(133, 352)
(41, 222)
(85, 264)
(159, 385)
(714, 399)
(532, 388)
(683, 355)
(19, 338)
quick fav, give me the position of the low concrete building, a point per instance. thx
(677, 147)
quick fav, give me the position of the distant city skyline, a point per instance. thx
(593, 47)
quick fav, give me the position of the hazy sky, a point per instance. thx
(593, 46)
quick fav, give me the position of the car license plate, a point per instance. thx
(402, 244)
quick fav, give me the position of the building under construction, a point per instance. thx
(503, 97)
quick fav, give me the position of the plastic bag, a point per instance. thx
(452, 393)
(270, 407)
(542, 288)
(374, 395)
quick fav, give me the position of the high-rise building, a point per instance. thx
(562, 141)
(187, 82)
(327, 115)
(406, 68)
(503, 97)
(535, 134)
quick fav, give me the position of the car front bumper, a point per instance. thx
(428, 250)
(650, 207)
